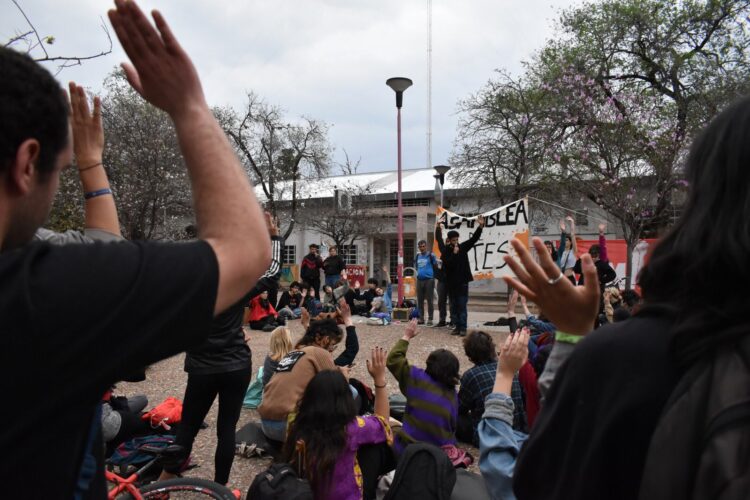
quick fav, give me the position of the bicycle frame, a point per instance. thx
(126, 485)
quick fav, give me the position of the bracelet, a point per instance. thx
(98, 192)
(380, 386)
(567, 337)
(90, 167)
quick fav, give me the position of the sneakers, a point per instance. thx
(440, 324)
(462, 333)
(420, 322)
(456, 332)
(450, 325)
(429, 322)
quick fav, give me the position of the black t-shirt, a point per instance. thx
(591, 437)
(74, 320)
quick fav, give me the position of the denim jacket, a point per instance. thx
(499, 446)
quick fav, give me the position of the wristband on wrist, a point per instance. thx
(567, 337)
(90, 167)
(98, 192)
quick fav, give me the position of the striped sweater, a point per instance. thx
(431, 408)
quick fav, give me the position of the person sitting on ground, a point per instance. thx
(262, 314)
(476, 385)
(499, 441)
(631, 301)
(614, 307)
(311, 354)
(603, 270)
(290, 302)
(342, 454)
(368, 294)
(382, 303)
(279, 346)
(431, 402)
(332, 293)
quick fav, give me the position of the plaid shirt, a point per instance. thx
(477, 384)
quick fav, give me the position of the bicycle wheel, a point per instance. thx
(186, 488)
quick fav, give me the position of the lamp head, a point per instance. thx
(399, 85)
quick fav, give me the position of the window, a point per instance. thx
(349, 254)
(289, 254)
(410, 202)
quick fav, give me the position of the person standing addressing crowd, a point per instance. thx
(97, 312)
(333, 266)
(455, 257)
(424, 263)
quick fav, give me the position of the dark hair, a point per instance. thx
(620, 314)
(294, 284)
(630, 298)
(442, 365)
(452, 234)
(320, 328)
(323, 412)
(554, 250)
(313, 245)
(715, 215)
(594, 250)
(372, 281)
(479, 347)
(32, 106)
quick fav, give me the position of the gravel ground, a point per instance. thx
(167, 378)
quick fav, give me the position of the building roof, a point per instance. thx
(412, 181)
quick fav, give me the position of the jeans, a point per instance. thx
(425, 290)
(274, 429)
(332, 279)
(199, 396)
(459, 297)
(289, 314)
(443, 300)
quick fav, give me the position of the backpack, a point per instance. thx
(165, 413)
(700, 446)
(129, 453)
(279, 482)
(424, 472)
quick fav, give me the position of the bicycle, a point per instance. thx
(182, 488)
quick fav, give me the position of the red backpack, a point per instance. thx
(165, 413)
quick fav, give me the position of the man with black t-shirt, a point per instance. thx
(81, 317)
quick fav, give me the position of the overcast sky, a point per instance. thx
(326, 59)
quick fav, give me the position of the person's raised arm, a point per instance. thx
(376, 367)
(439, 236)
(228, 215)
(603, 243)
(351, 346)
(397, 363)
(573, 240)
(469, 244)
(100, 211)
(561, 247)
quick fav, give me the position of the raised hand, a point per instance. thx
(357, 284)
(411, 330)
(602, 228)
(514, 352)
(376, 365)
(571, 308)
(88, 133)
(161, 71)
(562, 225)
(271, 224)
(345, 312)
(571, 223)
(344, 274)
(480, 220)
(512, 301)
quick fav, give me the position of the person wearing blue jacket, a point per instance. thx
(423, 263)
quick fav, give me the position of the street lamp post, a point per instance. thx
(440, 176)
(399, 85)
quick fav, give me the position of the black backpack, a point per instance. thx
(424, 472)
(279, 482)
(701, 446)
